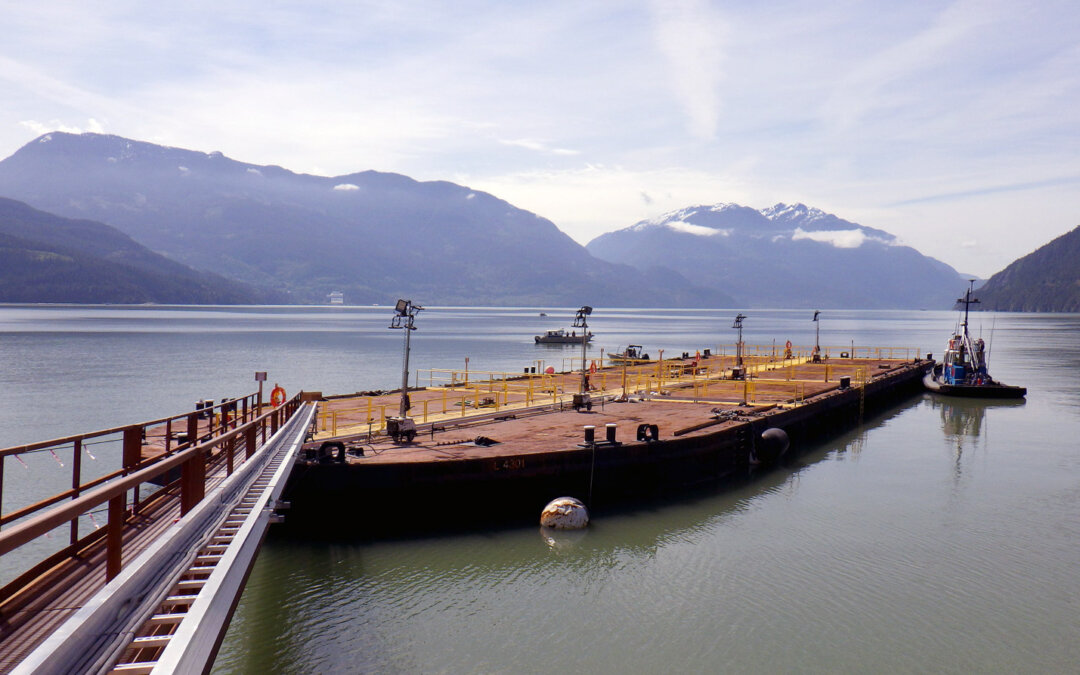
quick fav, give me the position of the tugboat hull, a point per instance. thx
(933, 383)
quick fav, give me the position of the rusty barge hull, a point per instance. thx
(468, 486)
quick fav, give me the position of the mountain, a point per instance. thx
(1047, 280)
(374, 236)
(47, 258)
(785, 256)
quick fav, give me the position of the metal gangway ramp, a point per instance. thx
(153, 590)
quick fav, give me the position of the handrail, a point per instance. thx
(64, 440)
(17, 535)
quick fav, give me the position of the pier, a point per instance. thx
(152, 588)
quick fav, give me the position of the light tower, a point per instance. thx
(739, 345)
(817, 337)
(404, 318)
(581, 321)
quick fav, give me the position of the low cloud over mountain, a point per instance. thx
(784, 256)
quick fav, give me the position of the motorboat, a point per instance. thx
(559, 336)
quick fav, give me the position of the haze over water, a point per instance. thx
(941, 536)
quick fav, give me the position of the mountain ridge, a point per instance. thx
(1045, 280)
(785, 256)
(47, 258)
(375, 236)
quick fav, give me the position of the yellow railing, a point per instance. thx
(458, 391)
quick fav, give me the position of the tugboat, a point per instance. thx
(963, 371)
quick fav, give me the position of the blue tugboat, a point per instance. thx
(963, 371)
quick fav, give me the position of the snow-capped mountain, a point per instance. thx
(784, 256)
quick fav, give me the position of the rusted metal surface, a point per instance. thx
(542, 452)
(565, 513)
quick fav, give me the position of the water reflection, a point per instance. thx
(411, 604)
(964, 421)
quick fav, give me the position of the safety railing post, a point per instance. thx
(131, 456)
(114, 538)
(76, 484)
(192, 471)
(250, 436)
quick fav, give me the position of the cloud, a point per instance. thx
(587, 201)
(917, 118)
(538, 146)
(699, 230)
(39, 128)
(838, 238)
(691, 35)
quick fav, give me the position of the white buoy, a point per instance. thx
(565, 513)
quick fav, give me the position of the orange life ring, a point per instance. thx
(277, 397)
(592, 367)
(788, 345)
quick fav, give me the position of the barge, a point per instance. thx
(690, 427)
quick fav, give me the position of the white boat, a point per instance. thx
(559, 336)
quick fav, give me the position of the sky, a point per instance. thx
(953, 125)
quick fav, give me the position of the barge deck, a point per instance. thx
(656, 429)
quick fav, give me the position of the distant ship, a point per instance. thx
(561, 337)
(337, 298)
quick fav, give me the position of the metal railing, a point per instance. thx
(233, 431)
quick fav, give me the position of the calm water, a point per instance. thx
(942, 536)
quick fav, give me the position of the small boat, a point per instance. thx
(963, 370)
(561, 337)
(632, 354)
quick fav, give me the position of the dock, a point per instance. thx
(152, 589)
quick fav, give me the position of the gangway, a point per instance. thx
(167, 608)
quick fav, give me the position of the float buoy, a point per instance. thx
(774, 443)
(277, 397)
(564, 513)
